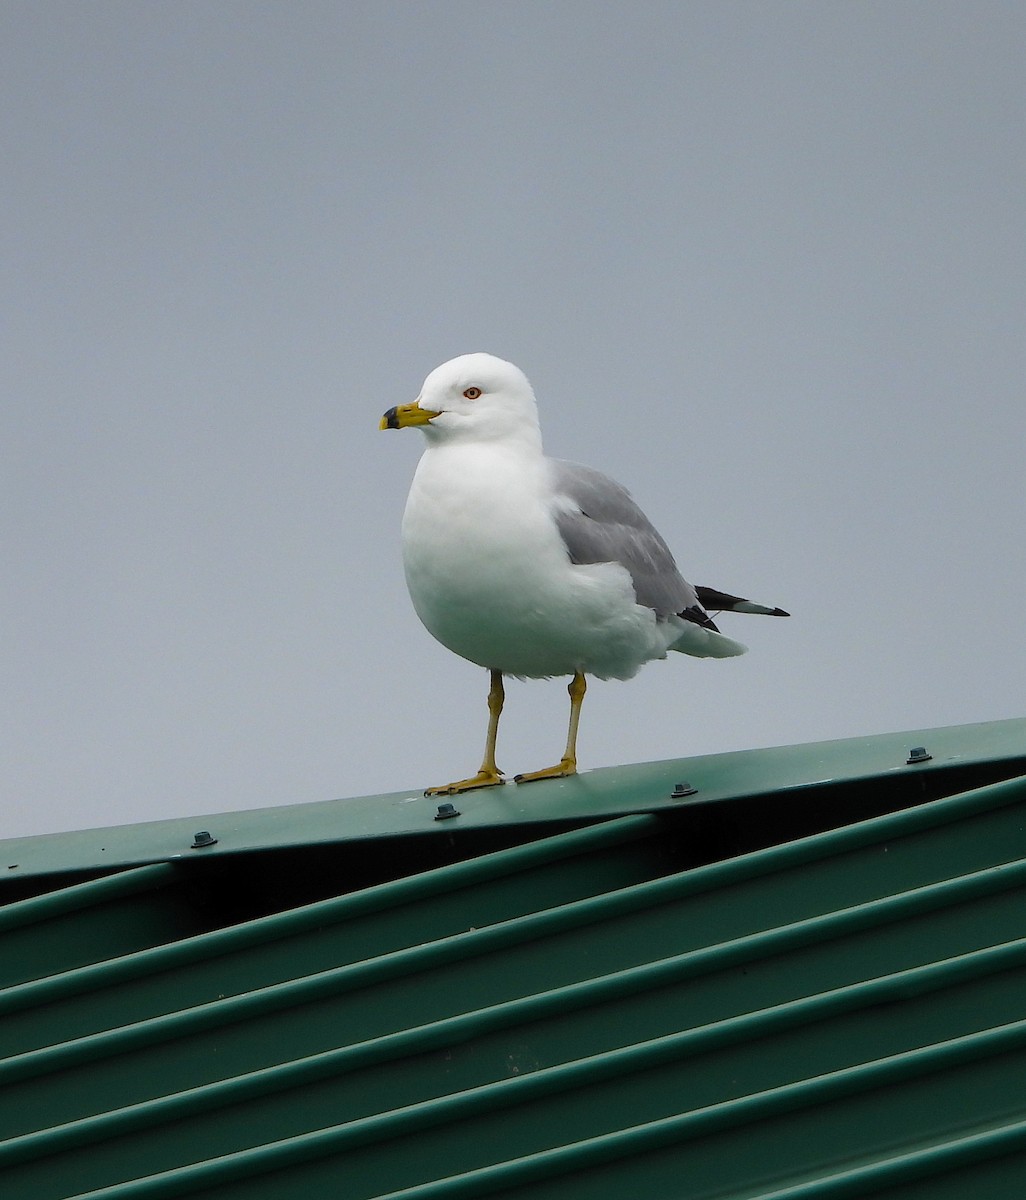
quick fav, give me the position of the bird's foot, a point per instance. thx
(484, 778)
(565, 766)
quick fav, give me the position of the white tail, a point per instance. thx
(706, 643)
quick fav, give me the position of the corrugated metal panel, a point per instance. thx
(585, 1014)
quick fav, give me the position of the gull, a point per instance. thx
(531, 566)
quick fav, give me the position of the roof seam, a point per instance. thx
(815, 847)
(22, 913)
(652, 1135)
(480, 942)
(898, 986)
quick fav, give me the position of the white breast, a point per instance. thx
(490, 577)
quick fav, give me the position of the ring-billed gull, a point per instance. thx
(534, 567)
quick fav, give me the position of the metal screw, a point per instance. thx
(203, 839)
(680, 790)
(445, 811)
(917, 754)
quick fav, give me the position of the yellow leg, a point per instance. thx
(489, 774)
(567, 765)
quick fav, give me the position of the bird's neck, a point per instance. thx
(520, 441)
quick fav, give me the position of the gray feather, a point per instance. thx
(599, 522)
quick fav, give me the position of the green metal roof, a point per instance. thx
(806, 978)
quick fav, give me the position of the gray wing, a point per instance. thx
(599, 522)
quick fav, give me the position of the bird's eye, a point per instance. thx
(472, 393)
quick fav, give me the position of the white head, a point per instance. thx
(474, 397)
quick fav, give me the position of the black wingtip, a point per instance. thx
(698, 616)
(717, 601)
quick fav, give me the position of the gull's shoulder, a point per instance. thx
(599, 521)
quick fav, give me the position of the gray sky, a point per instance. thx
(763, 262)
